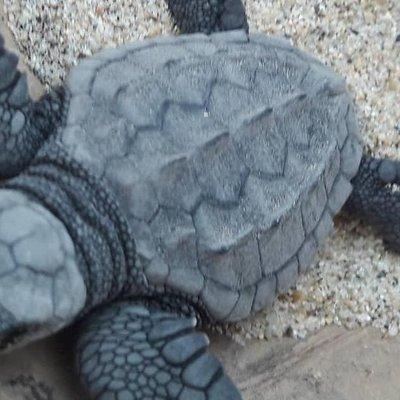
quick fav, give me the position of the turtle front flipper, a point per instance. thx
(65, 247)
(24, 124)
(208, 16)
(134, 352)
(376, 199)
(41, 287)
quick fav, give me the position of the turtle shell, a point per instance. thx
(229, 155)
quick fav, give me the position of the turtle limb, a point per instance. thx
(41, 287)
(208, 16)
(64, 247)
(135, 352)
(24, 124)
(87, 209)
(376, 199)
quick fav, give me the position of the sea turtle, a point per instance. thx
(171, 182)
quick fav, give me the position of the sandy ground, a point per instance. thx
(331, 364)
(334, 364)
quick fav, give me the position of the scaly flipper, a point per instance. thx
(208, 16)
(375, 198)
(24, 124)
(134, 352)
(41, 287)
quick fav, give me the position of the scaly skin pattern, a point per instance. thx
(207, 16)
(376, 198)
(223, 151)
(24, 125)
(135, 352)
(103, 241)
(40, 291)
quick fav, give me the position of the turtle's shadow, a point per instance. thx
(41, 371)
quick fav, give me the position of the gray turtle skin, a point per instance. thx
(173, 182)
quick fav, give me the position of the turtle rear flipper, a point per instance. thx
(130, 351)
(41, 287)
(24, 124)
(376, 198)
(208, 16)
